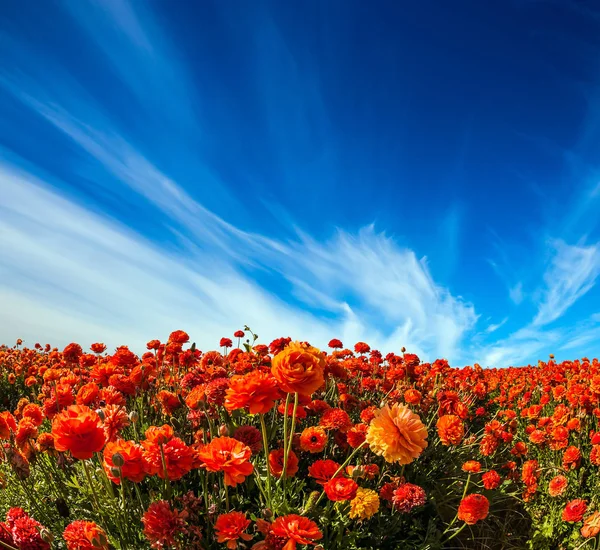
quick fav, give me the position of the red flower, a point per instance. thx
(323, 470)
(249, 436)
(574, 510)
(98, 347)
(356, 435)
(335, 343)
(162, 525)
(165, 455)
(296, 530)
(239, 334)
(276, 459)
(230, 527)
(340, 489)
(335, 419)
(85, 535)
(225, 343)
(178, 337)
(78, 429)
(491, 479)
(571, 458)
(126, 458)
(408, 496)
(361, 347)
(473, 508)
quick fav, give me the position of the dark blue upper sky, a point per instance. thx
(466, 132)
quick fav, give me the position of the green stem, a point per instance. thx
(263, 427)
(89, 480)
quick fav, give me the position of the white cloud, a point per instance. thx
(68, 274)
(516, 293)
(494, 327)
(572, 273)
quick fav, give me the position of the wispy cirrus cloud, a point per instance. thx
(572, 273)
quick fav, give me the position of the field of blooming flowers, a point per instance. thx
(286, 446)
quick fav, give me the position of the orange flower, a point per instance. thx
(557, 486)
(471, 466)
(227, 455)
(397, 434)
(591, 526)
(126, 456)
(276, 463)
(340, 489)
(356, 435)
(574, 510)
(230, 527)
(78, 429)
(313, 439)
(7, 424)
(257, 391)
(85, 535)
(451, 429)
(296, 530)
(473, 508)
(299, 369)
(171, 459)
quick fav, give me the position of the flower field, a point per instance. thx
(285, 446)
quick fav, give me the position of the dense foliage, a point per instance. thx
(285, 446)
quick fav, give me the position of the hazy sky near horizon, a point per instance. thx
(408, 174)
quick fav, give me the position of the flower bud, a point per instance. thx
(223, 430)
(101, 414)
(267, 513)
(118, 460)
(46, 536)
(134, 416)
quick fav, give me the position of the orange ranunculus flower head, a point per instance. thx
(591, 526)
(230, 527)
(126, 456)
(296, 530)
(85, 535)
(78, 429)
(227, 455)
(299, 369)
(256, 391)
(170, 459)
(397, 434)
(557, 486)
(473, 508)
(313, 439)
(451, 429)
(276, 459)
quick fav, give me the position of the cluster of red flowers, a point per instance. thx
(206, 446)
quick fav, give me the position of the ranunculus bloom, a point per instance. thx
(397, 434)
(251, 436)
(364, 505)
(335, 419)
(85, 535)
(591, 526)
(276, 459)
(313, 439)
(129, 459)
(230, 527)
(296, 530)
(357, 435)
(78, 429)
(571, 458)
(227, 455)
(340, 488)
(256, 391)
(574, 510)
(471, 466)
(473, 508)
(451, 429)
(299, 369)
(162, 525)
(408, 496)
(323, 470)
(491, 479)
(557, 486)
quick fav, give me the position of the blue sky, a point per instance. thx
(410, 174)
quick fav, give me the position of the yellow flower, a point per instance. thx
(397, 434)
(365, 504)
